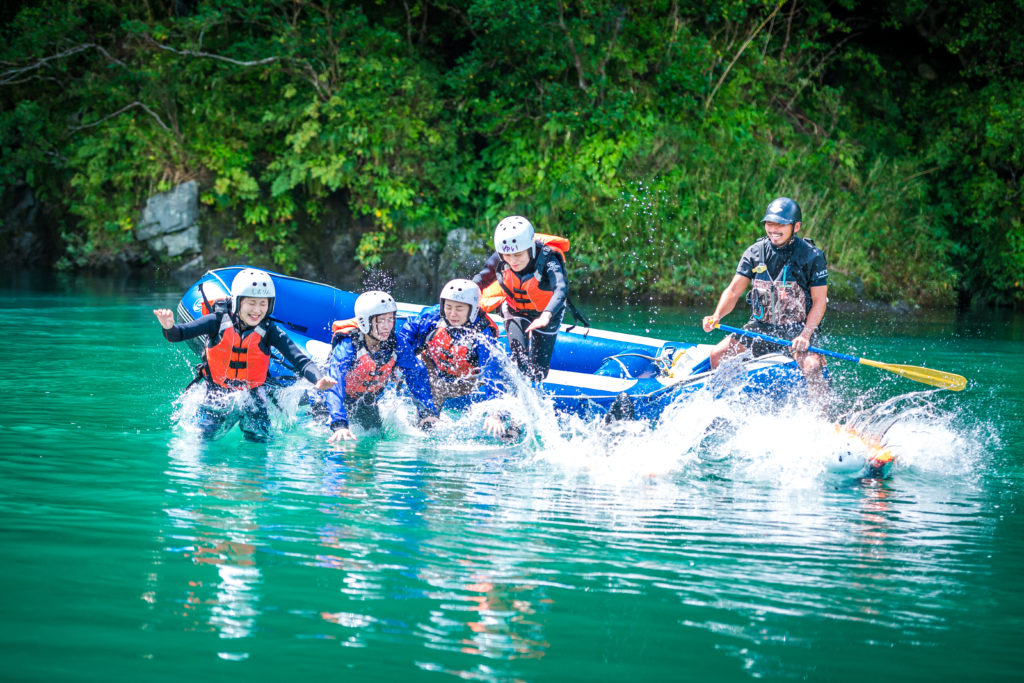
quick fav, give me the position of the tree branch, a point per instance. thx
(572, 45)
(608, 54)
(789, 29)
(611, 45)
(13, 76)
(750, 39)
(210, 55)
(134, 104)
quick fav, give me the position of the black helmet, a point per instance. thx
(782, 210)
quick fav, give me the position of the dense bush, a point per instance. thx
(651, 133)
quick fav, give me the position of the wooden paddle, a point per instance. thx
(935, 378)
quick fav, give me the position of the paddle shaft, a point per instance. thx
(785, 342)
(935, 378)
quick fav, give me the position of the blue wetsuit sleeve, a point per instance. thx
(555, 275)
(411, 337)
(337, 369)
(492, 382)
(418, 380)
(302, 363)
(490, 271)
(206, 324)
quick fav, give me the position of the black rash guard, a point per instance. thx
(275, 337)
(798, 261)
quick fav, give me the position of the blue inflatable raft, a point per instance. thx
(589, 369)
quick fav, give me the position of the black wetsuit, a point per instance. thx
(223, 407)
(532, 352)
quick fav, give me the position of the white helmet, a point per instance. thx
(463, 292)
(370, 304)
(513, 234)
(253, 283)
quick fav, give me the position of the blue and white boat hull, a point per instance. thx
(589, 369)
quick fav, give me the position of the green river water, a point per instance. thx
(132, 551)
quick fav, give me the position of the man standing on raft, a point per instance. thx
(789, 295)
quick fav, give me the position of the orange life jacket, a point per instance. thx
(366, 376)
(345, 328)
(236, 363)
(213, 298)
(523, 292)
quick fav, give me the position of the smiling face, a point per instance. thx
(253, 309)
(780, 233)
(456, 313)
(518, 260)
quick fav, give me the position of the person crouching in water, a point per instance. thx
(789, 295)
(237, 356)
(364, 360)
(530, 270)
(452, 356)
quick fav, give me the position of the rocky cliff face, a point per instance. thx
(181, 238)
(29, 232)
(170, 222)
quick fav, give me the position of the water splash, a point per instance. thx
(785, 443)
(712, 432)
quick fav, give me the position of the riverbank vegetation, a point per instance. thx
(651, 133)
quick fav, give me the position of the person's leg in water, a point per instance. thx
(813, 367)
(215, 416)
(811, 364)
(518, 343)
(364, 412)
(621, 409)
(255, 419)
(531, 352)
(542, 347)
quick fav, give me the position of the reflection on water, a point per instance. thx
(717, 543)
(213, 523)
(472, 554)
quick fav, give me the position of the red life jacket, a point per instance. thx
(457, 357)
(366, 376)
(523, 292)
(234, 363)
(454, 358)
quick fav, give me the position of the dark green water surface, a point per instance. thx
(132, 551)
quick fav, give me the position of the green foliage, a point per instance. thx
(652, 134)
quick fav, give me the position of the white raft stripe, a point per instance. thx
(583, 380)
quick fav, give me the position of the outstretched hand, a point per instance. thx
(341, 434)
(494, 426)
(541, 321)
(709, 322)
(324, 383)
(165, 316)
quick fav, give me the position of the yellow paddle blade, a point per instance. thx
(935, 378)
